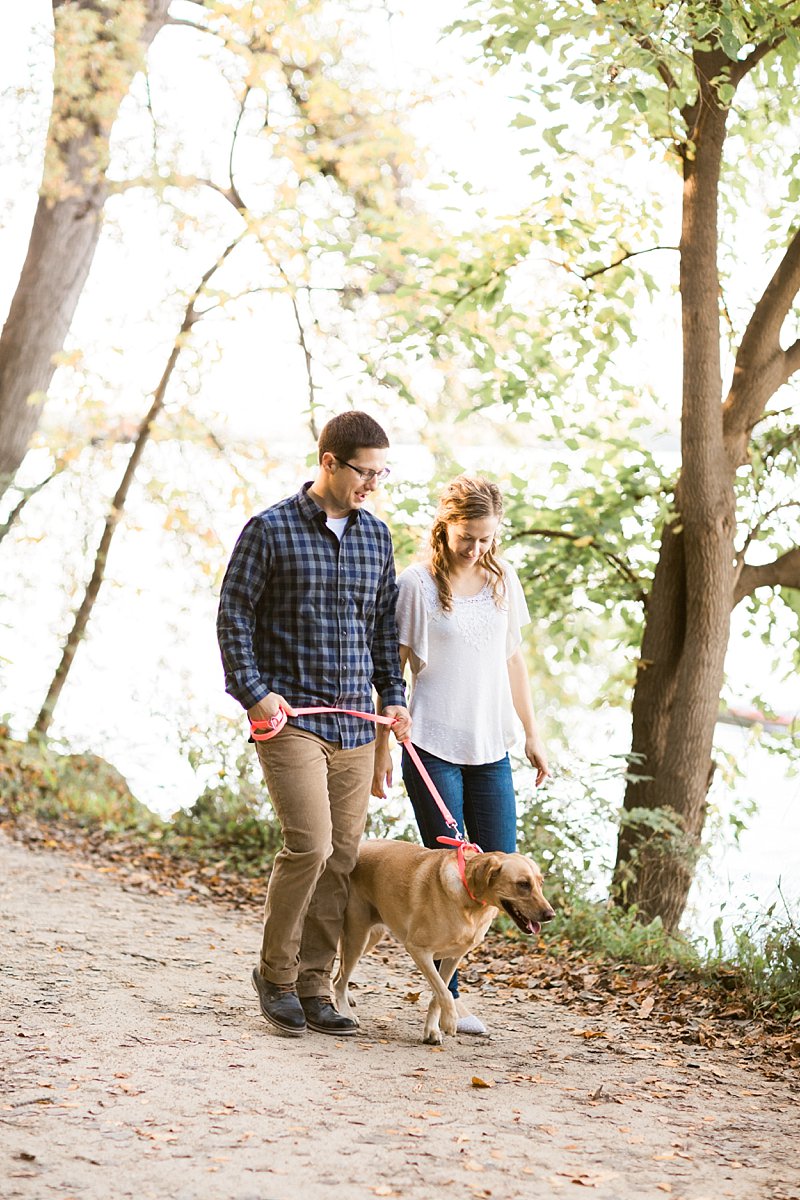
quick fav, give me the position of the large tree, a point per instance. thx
(709, 87)
(99, 45)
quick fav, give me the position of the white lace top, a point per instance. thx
(461, 696)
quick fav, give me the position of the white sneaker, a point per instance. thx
(468, 1022)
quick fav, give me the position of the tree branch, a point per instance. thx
(234, 193)
(190, 24)
(183, 182)
(791, 358)
(645, 42)
(740, 69)
(782, 572)
(619, 564)
(664, 71)
(587, 275)
(307, 356)
(759, 525)
(761, 366)
(470, 291)
(27, 494)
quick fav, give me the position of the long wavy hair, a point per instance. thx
(465, 499)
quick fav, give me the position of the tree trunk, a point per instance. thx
(106, 48)
(676, 697)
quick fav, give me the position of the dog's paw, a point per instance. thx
(433, 1037)
(448, 1020)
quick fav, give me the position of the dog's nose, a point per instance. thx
(547, 914)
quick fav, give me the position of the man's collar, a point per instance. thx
(311, 510)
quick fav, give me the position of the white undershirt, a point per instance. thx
(337, 525)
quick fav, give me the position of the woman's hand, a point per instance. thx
(382, 772)
(401, 727)
(537, 756)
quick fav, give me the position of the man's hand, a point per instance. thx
(402, 721)
(382, 771)
(269, 707)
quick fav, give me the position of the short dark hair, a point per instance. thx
(344, 435)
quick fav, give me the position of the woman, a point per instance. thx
(459, 617)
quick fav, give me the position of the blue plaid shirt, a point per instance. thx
(312, 618)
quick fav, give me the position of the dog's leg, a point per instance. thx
(441, 1015)
(359, 935)
(447, 969)
(350, 951)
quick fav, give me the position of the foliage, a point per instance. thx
(235, 827)
(766, 951)
(617, 933)
(567, 825)
(231, 819)
(97, 53)
(37, 781)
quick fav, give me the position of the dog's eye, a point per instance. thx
(523, 885)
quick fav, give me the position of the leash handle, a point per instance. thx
(264, 731)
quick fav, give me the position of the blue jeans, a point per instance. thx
(480, 798)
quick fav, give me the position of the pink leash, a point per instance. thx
(264, 731)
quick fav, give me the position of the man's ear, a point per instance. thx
(328, 461)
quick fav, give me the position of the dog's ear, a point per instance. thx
(483, 871)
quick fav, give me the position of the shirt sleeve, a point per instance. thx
(242, 588)
(412, 619)
(386, 677)
(518, 614)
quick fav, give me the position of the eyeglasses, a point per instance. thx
(366, 475)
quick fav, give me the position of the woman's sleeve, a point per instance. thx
(518, 614)
(412, 619)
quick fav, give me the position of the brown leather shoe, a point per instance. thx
(322, 1017)
(280, 1005)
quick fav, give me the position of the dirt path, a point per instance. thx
(136, 1063)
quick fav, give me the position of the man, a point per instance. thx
(307, 618)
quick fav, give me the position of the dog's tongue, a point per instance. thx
(534, 927)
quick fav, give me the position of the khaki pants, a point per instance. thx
(320, 794)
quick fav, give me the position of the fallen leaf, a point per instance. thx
(477, 1082)
(647, 1006)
